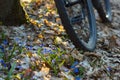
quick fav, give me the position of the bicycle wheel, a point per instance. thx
(107, 8)
(79, 22)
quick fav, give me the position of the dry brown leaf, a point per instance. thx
(28, 72)
(112, 41)
(76, 54)
(68, 76)
(118, 42)
(92, 54)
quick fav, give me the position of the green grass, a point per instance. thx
(53, 60)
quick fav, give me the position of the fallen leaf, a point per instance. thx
(118, 42)
(40, 36)
(76, 54)
(68, 76)
(49, 32)
(58, 40)
(45, 70)
(28, 1)
(47, 23)
(27, 73)
(112, 41)
(92, 54)
(29, 53)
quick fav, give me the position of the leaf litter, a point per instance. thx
(45, 32)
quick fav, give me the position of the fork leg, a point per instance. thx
(97, 5)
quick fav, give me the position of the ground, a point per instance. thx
(42, 50)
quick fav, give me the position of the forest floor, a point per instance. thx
(41, 49)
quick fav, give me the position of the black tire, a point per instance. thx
(79, 43)
(107, 9)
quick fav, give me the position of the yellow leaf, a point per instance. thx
(33, 21)
(58, 20)
(58, 40)
(28, 37)
(47, 23)
(37, 63)
(45, 70)
(29, 54)
(41, 15)
(40, 36)
(18, 76)
(40, 25)
(61, 28)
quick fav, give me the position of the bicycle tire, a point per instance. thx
(80, 44)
